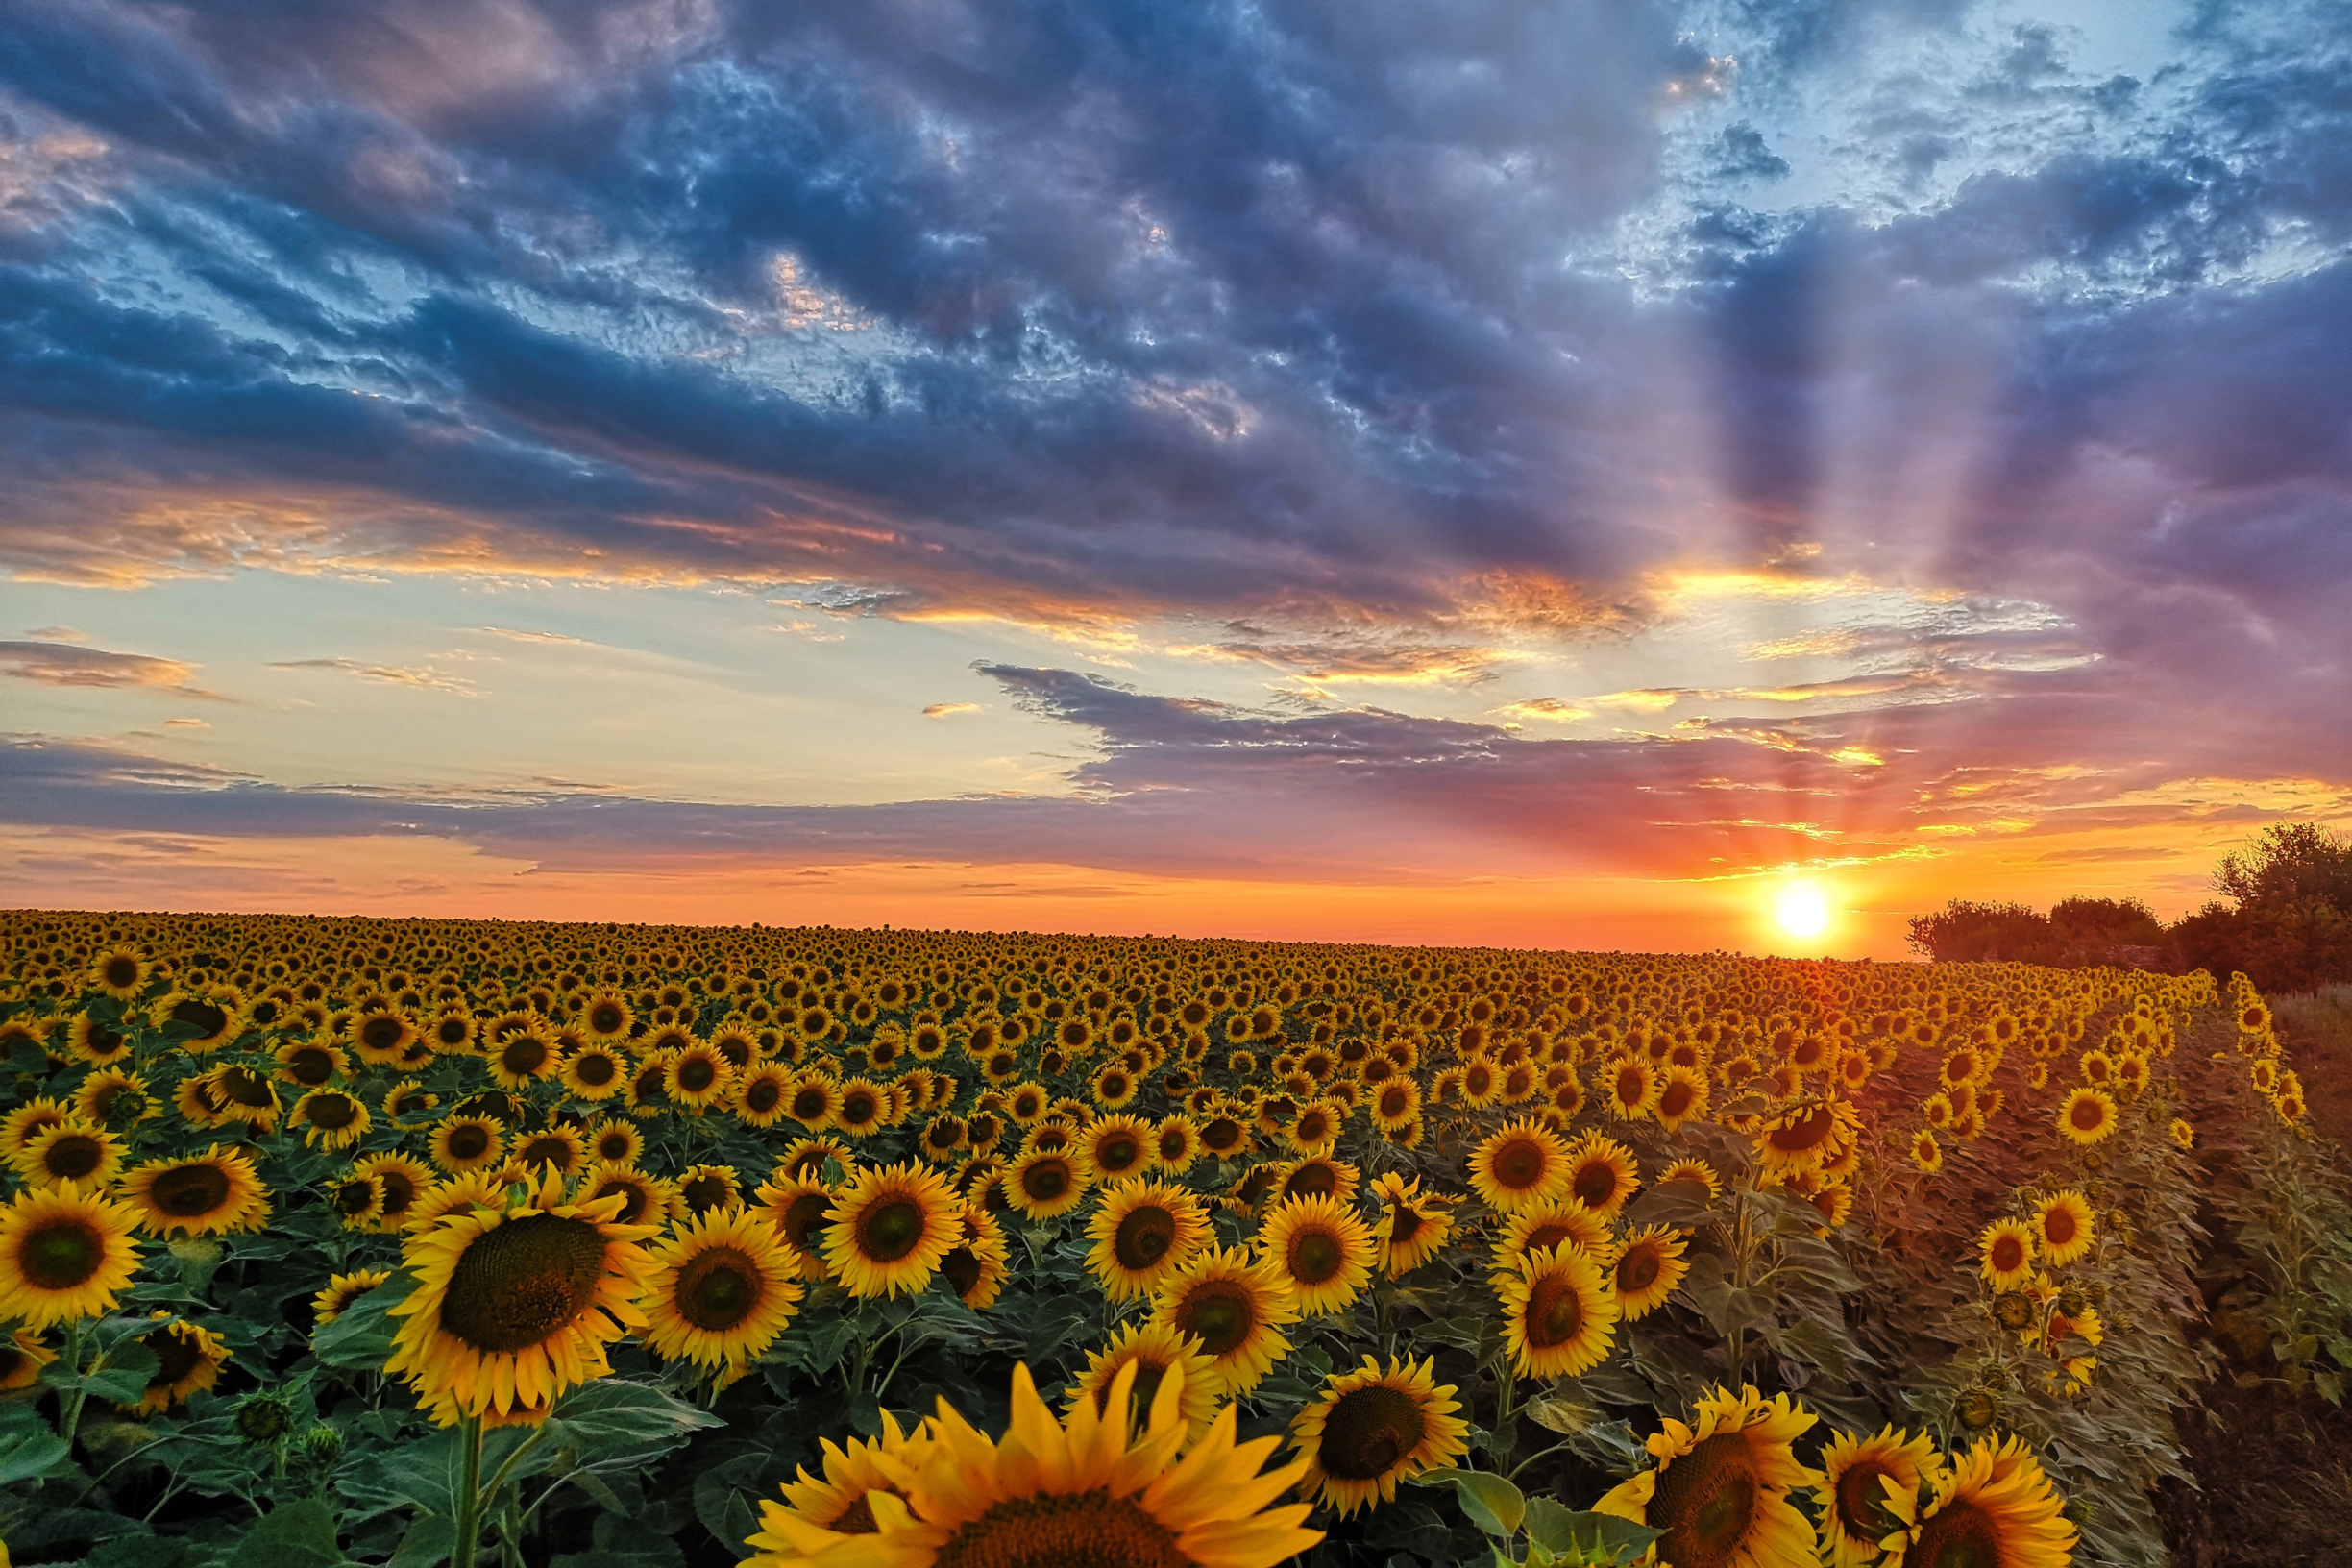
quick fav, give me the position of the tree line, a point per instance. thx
(2284, 919)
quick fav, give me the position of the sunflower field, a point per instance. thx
(408, 1243)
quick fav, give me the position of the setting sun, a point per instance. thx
(1802, 909)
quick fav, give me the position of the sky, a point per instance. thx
(1563, 475)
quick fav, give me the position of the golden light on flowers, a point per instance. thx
(2065, 1227)
(1322, 1248)
(1994, 1509)
(2087, 1115)
(719, 1290)
(1558, 1313)
(1519, 1166)
(1631, 1085)
(1720, 1491)
(1371, 1430)
(1600, 1174)
(1234, 1309)
(1412, 1225)
(1142, 1233)
(2005, 1254)
(65, 1254)
(1647, 1268)
(514, 1305)
(1158, 1353)
(1855, 1474)
(1083, 1491)
(891, 1226)
(1808, 1136)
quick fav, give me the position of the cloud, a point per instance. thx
(424, 680)
(56, 634)
(1548, 709)
(64, 663)
(548, 637)
(948, 710)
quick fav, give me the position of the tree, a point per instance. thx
(2292, 927)
(1966, 931)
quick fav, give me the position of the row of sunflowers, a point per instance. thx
(414, 1242)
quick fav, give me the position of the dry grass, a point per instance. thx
(2316, 1031)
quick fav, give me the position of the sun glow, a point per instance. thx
(1802, 909)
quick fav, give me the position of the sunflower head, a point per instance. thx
(65, 1253)
(1559, 1316)
(1234, 1308)
(1142, 1233)
(1519, 1166)
(1720, 1491)
(1158, 1355)
(891, 1226)
(1857, 1474)
(1372, 1429)
(1321, 1248)
(719, 1291)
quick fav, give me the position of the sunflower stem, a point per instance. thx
(69, 1407)
(469, 1496)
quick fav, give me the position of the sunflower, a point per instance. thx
(1855, 1473)
(1317, 1176)
(27, 1122)
(2006, 1254)
(615, 1143)
(464, 1143)
(1142, 1233)
(761, 1094)
(212, 1022)
(1648, 1266)
(2087, 1115)
(1083, 1490)
(71, 1150)
(891, 1226)
(836, 1508)
(357, 1200)
(403, 1179)
(514, 1305)
(1234, 1308)
(1116, 1146)
(65, 1254)
(119, 972)
(1993, 1508)
(241, 1094)
(607, 1017)
(1926, 1152)
(1808, 1136)
(1044, 1184)
(22, 1356)
(1519, 1168)
(975, 1265)
(329, 1119)
(647, 1093)
(721, 1288)
(92, 1039)
(1176, 1145)
(1558, 1313)
(644, 1199)
(1632, 1087)
(1720, 1491)
(1691, 1170)
(559, 1149)
(187, 1358)
(1600, 1174)
(595, 1071)
(697, 1075)
(1371, 1430)
(798, 1208)
(407, 1098)
(1323, 1248)
(2182, 1134)
(1413, 1227)
(2065, 1227)
(381, 1035)
(342, 1290)
(1682, 1096)
(1396, 1104)
(701, 1188)
(1156, 1353)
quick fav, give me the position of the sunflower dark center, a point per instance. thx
(1677, 1099)
(605, 1018)
(696, 1073)
(1706, 1500)
(1219, 1314)
(203, 1015)
(310, 1066)
(103, 1041)
(1637, 1270)
(2088, 1114)
(178, 1355)
(73, 1155)
(890, 1230)
(1808, 1132)
(381, 1033)
(524, 1055)
(546, 1151)
(1046, 1180)
(244, 1087)
(1960, 1535)
(804, 1216)
(763, 1096)
(614, 1146)
(1143, 1238)
(59, 1254)
(1861, 1502)
(189, 1191)
(1221, 1134)
(1555, 1311)
(1518, 1166)
(2008, 1254)
(1406, 1224)
(962, 1267)
(857, 1519)
(470, 1141)
(1086, 1530)
(1369, 1432)
(1313, 1180)
(122, 973)
(356, 1197)
(516, 1285)
(331, 1112)
(1316, 1257)
(1595, 1184)
(1118, 1153)
(2059, 1226)
(453, 1031)
(703, 1194)
(718, 1289)
(858, 1108)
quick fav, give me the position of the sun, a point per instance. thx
(1802, 909)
